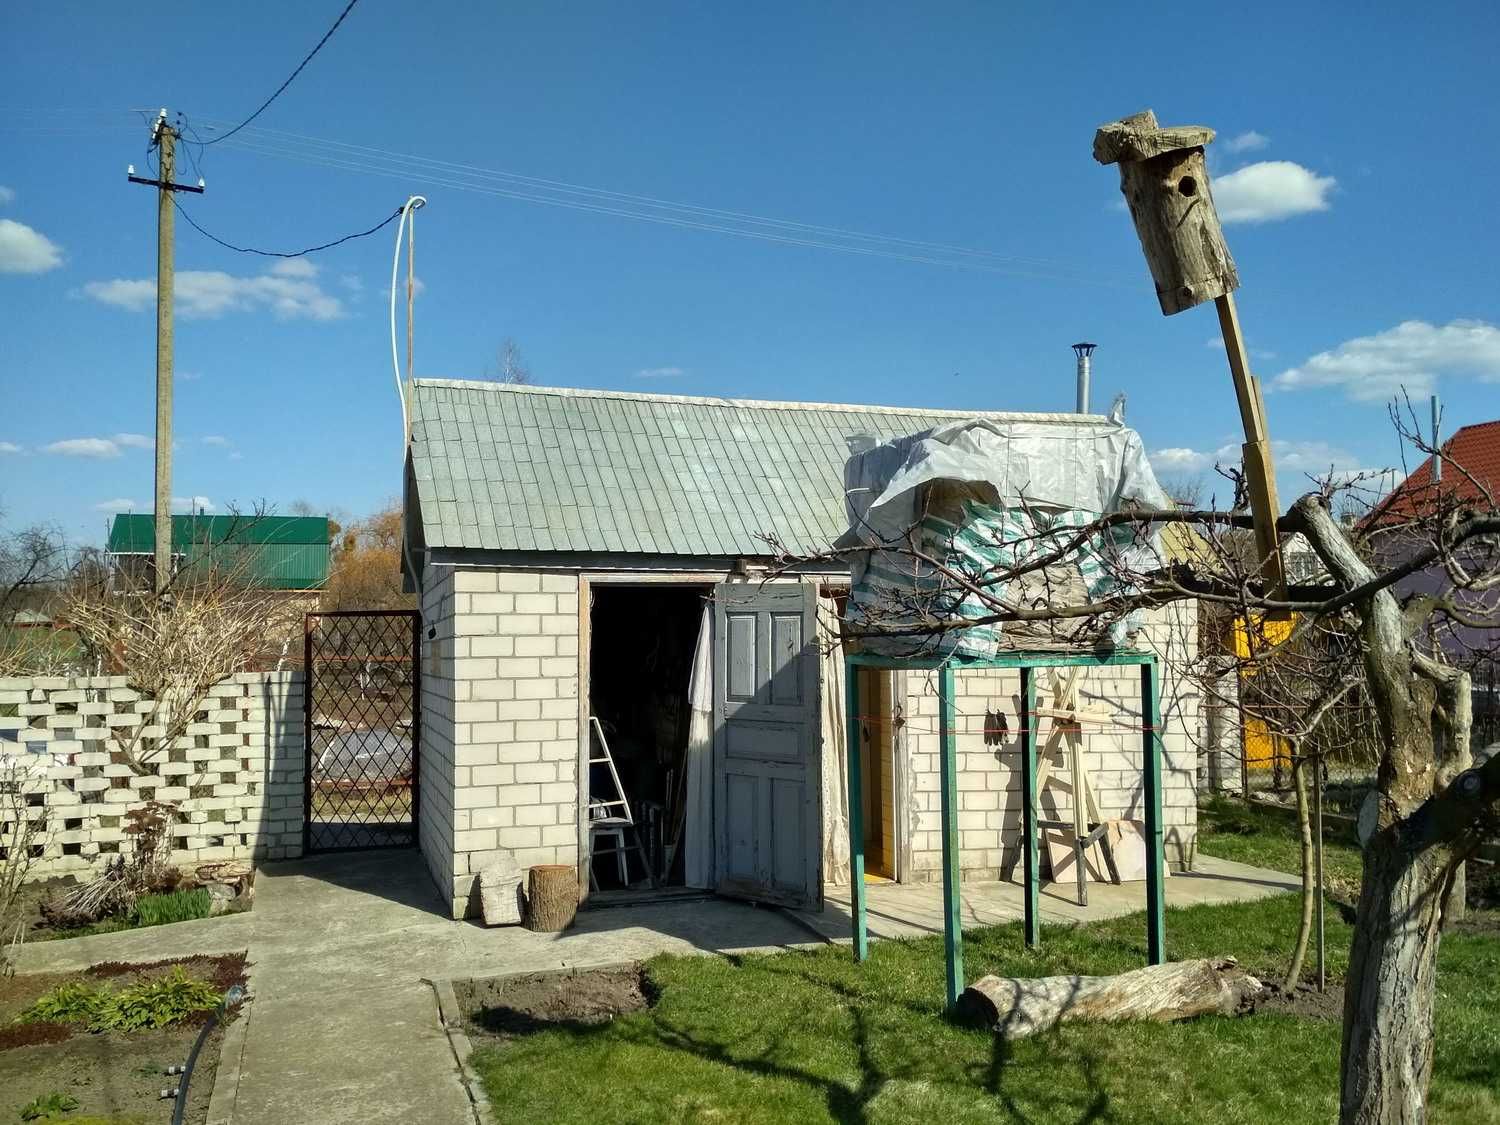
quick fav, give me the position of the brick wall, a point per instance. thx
(508, 641)
(436, 773)
(235, 775)
(989, 786)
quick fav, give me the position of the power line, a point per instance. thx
(354, 152)
(357, 158)
(387, 221)
(326, 36)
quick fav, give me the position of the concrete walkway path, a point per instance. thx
(344, 1026)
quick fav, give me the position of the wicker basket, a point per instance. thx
(500, 892)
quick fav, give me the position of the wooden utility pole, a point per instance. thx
(164, 140)
(1164, 179)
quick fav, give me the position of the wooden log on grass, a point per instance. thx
(551, 897)
(1018, 1007)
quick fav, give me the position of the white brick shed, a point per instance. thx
(568, 542)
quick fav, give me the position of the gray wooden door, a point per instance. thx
(767, 743)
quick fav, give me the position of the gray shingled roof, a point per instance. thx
(516, 468)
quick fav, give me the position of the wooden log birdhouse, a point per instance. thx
(1165, 183)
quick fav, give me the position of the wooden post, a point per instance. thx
(1260, 474)
(1165, 183)
(1151, 745)
(953, 935)
(1029, 829)
(855, 798)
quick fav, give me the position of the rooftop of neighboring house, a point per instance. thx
(1471, 467)
(277, 552)
(501, 467)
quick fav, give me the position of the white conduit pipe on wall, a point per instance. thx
(413, 204)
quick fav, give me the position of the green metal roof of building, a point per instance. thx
(519, 468)
(282, 552)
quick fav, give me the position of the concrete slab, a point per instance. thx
(343, 1025)
(229, 934)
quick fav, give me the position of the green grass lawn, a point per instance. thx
(812, 1037)
(1264, 837)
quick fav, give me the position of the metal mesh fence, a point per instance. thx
(362, 734)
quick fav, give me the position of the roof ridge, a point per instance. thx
(762, 404)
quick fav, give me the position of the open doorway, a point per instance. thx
(877, 762)
(641, 645)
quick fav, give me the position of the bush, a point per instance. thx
(70, 1002)
(178, 906)
(47, 1107)
(153, 1003)
(161, 1002)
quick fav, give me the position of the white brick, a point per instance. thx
(474, 581)
(517, 582)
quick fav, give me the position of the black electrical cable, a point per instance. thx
(279, 253)
(327, 35)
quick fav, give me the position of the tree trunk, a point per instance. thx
(1309, 890)
(1017, 1007)
(1388, 998)
(551, 897)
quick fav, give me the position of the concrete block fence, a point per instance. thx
(235, 775)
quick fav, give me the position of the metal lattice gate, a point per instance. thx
(362, 723)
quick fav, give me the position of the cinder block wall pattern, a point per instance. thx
(236, 774)
(989, 784)
(513, 753)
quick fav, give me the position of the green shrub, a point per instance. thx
(71, 1002)
(152, 1003)
(179, 906)
(46, 1107)
(158, 1003)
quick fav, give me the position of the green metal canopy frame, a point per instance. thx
(1028, 663)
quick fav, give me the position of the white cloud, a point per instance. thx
(192, 504)
(1180, 460)
(9, 447)
(84, 447)
(1248, 141)
(7, 195)
(1411, 355)
(352, 282)
(215, 439)
(288, 289)
(1271, 190)
(189, 376)
(294, 267)
(132, 296)
(236, 455)
(134, 441)
(660, 373)
(119, 504)
(23, 250)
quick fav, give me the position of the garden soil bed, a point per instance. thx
(501, 1008)
(116, 1075)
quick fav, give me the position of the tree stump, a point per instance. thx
(1018, 1007)
(551, 897)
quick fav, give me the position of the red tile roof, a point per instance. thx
(1476, 449)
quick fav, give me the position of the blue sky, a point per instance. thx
(1355, 155)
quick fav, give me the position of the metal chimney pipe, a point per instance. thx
(1085, 368)
(1437, 442)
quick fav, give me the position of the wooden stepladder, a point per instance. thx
(1063, 746)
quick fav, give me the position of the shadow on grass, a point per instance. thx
(845, 1038)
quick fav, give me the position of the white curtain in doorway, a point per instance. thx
(835, 780)
(697, 834)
